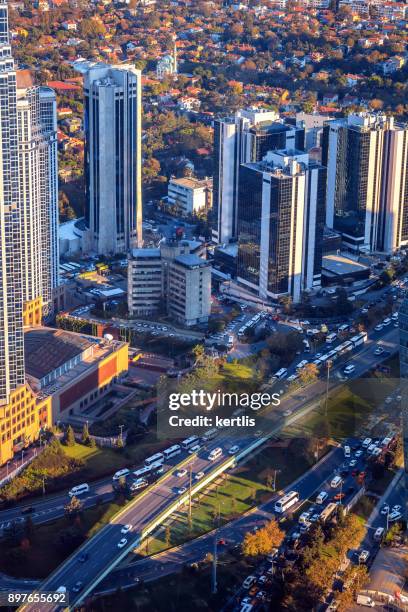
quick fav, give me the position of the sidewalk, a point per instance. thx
(20, 460)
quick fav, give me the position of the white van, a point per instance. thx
(321, 498)
(215, 453)
(336, 482)
(367, 442)
(140, 483)
(79, 490)
(121, 473)
(281, 373)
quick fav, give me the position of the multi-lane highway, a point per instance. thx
(232, 533)
(52, 506)
(102, 551)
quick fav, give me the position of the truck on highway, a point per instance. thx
(365, 600)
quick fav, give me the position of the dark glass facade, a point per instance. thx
(250, 187)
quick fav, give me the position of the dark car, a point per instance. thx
(27, 510)
(83, 557)
(350, 490)
(77, 586)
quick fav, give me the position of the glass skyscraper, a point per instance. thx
(281, 211)
(113, 157)
(244, 138)
(11, 286)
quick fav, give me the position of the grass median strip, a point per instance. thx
(231, 495)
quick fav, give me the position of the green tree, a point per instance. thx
(168, 536)
(69, 437)
(73, 507)
(309, 373)
(262, 541)
(85, 434)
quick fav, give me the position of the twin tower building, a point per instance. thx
(274, 200)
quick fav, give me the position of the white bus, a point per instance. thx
(172, 451)
(189, 442)
(143, 471)
(215, 453)
(281, 373)
(359, 339)
(121, 473)
(331, 338)
(157, 458)
(287, 501)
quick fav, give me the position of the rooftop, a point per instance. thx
(191, 261)
(47, 349)
(146, 253)
(338, 264)
(191, 183)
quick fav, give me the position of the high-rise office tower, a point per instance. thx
(11, 289)
(366, 158)
(393, 231)
(246, 137)
(38, 189)
(281, 214)
(113, 157)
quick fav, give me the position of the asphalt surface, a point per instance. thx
(233, 533)
(53, 506)
(103, 549)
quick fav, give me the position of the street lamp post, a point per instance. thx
(328, 366)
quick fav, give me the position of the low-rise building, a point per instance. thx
(72, 371)
(173, 279)
(189, 293)
(145, 282)
(189, 195)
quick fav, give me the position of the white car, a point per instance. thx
(358, 453)
(379, 350)
(385, 509)
(181, 490)
(394, 516)
(397, 508)
(234, 449)
(353, 463)
(287, 412)
(199, 476)
(122, 543)
(349, 369)
(181, 473)
(363, 556)
(126, 528)
(378, 327)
